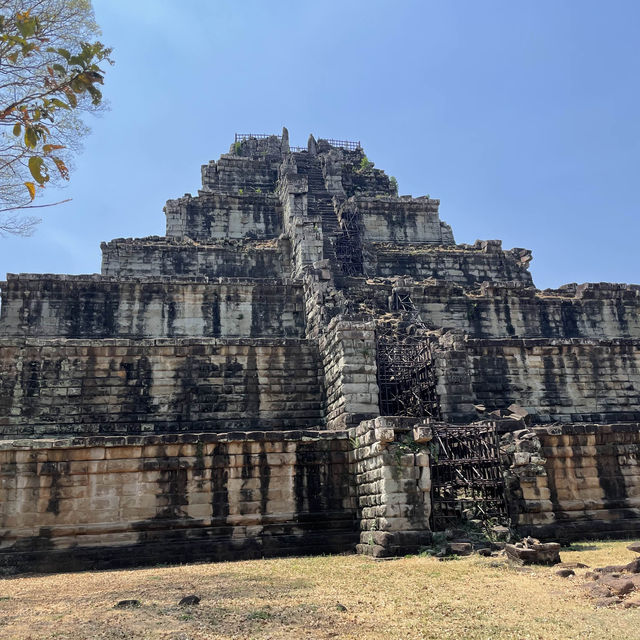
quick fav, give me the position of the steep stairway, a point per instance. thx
(320, 202)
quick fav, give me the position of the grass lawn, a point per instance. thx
(413, 597)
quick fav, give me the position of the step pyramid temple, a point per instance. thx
(308, 363)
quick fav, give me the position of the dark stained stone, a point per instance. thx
(566, 573)
(127, 604)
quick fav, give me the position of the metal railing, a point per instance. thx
(349, 145)
(240, 137)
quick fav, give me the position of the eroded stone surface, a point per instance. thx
(262, 311)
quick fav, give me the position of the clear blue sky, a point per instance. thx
(522, 117)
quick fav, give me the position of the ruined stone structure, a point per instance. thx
(277, 375)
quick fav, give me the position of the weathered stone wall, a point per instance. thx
(595, 310)
(105, 307)
(392, 477)
(463, 264)
(509, 309)
(568, 380)
(347, 349)
(126, 386)
(165, 344)
(170, 257)
(213, 216)
(403, 220)
(101, 502)
(576, 481)
(302, 226)
(232, 173)
(347, 352)
(357, 182)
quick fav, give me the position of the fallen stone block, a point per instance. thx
(633, 566)
(126, 604)
(597, 590)
(614, 568)
(611, 601)
(572, 565)
(460, 548)
(618, 586)
(547, 553)
(566, 573)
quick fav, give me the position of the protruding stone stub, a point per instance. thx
(284, 145)
(422, 434)
(385, 435)
(312, 146)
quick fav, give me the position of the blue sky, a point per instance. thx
(522, 117)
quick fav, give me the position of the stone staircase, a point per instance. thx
(320, 202)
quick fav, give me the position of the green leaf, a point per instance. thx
(16, 129)
(31, 137)
(26, 25)
(38, 169)
(96, 94)
(59, 103)
(73, 101)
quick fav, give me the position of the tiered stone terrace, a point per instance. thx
(161, 395)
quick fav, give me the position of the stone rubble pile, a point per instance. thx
(616, 584)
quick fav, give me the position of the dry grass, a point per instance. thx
(414, 597)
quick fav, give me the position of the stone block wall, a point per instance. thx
(462, 264)
(108, 502)
(569, 380)
(390, 460)
(107, 307)
(302, 225)
(233, 172)
(170, 257)
(402, 220)
(596, 311)
(50, 387)
(347, 351)
(212, 216)
(355, 181)
(509, 309)
(575, 481)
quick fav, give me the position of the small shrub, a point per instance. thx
(365, 165)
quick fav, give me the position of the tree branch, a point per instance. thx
(34, 206)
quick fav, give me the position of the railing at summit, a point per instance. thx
(349, 145)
